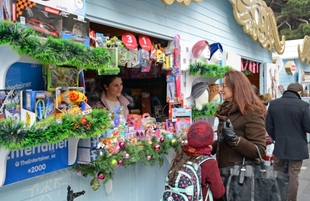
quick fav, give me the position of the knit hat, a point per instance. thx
(214, 47)
(199, 88)
(199, 137)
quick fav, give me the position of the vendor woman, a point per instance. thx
(111, 95)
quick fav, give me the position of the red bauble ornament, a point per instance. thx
(120, 163)
(156, 147)
(148, 157)
(83, 121)
(100, 176)
(121, 145)
(161, 139)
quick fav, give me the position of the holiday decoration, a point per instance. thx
(132, 153)
(16, 135)
(208, 110)
(113, 162)
(157, 147)
(173, 142)
(94, 183)
(100, 176)
(57, 51)
(208, 70)
(120, 163)
(161, 139)
(126, 155)
(121, 145)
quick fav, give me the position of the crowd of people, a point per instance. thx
(245, 119)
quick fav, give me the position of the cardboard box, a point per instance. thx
(10, 104)
(37, 107)
(61, 77)
(75, 28)
(45, 20)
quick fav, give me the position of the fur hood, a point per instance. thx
(265, 98)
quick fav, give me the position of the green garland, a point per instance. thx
(208, 110)
(15, 135)
(142, 151)
(56, 51)
(208, 70)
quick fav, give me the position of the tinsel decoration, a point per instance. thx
(208, 110)
(16, 135)
(25, 40)
(141, 151)
(208, 70)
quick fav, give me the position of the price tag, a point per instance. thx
(145, 42)
(129, 41)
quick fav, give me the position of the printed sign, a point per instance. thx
(77, 7)
(31, 162)
(145, 42)
(24, 76)
(129, 41)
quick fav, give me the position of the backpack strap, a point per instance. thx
(201, 159)
(209, 194)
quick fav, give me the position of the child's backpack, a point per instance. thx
(187, 185)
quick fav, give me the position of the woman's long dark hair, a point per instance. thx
(179, 160)
(243, 94)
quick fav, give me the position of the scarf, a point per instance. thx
(225, 110)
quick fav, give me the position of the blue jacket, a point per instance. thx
(287, 122)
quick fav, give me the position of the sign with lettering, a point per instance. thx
(15, 76)
(31, 162)
(77, 7)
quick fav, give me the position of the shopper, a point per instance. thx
(287, 122)
(111, 95)
(199, 140)
(241, 122)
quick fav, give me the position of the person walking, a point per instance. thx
(287, 123)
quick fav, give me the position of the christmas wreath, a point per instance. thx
(16, 135)
(208, 70)
(55, 51)
(147, 151)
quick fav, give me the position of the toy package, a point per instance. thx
(45, 20)
(113, 66)
(183, 119)
(61, 77)
(72, 100)
(170, 126)
(37, 107)
(10, 104)
(76, 28)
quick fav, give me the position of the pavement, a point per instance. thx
(304, 181)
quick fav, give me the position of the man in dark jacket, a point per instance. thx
(287, 122)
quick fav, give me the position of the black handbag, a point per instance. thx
(247, 181)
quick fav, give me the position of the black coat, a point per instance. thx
(287, 122)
